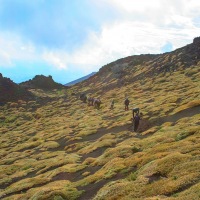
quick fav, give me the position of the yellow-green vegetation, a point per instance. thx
(58, 147)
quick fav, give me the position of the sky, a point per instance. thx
(68, 39)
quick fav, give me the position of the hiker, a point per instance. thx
(126, 103)
(90, 101)
(83, 97)
(97, 103)
(135, 110)
(112, 104)
(136, 121)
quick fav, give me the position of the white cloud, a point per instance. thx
(14, 49)
(158, 12)
(135, 5)
(115, 41)
(127, 38)
(57, 59)
(144, 27)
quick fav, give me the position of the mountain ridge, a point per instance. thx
(80, 79)
(41, 82)
(149, 65)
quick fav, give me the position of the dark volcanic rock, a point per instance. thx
(196, 41)
(10, 91)
(42, 82)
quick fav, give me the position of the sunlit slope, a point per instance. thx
(60, 148)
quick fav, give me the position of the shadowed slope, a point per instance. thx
(10, 91)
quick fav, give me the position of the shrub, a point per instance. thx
(13, 105)
(132, 176)
(27, 116)
(21, 102)
(185, 134)
(11, 119)
(86, 173)
(190, 72)
(37, 115)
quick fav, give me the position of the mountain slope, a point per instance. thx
(133, 68)
(65, 149)
(10, 91)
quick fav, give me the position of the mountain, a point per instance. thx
(41, 82)
(133, 68)
(62, 148)
(80, 79)
(10, 91)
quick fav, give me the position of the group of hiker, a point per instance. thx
(96, 102)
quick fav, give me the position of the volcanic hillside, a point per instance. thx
(10, 91)
(60, 148)
(138, 68)
(42, 82)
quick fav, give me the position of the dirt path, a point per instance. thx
(92, 189)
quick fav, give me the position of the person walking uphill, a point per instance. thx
(126, 103)
(112, 104)
(136, 121)
(135, 110)
(97, 103)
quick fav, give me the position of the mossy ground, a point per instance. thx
(57, 147)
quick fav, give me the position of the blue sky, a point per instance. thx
(70, 39)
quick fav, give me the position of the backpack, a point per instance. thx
(136, 110)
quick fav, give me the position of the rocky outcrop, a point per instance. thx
(10, 91)
(42, 82)
(196, 41)
(179, 59)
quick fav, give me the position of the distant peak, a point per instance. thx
(42, 82)
(80, 79)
